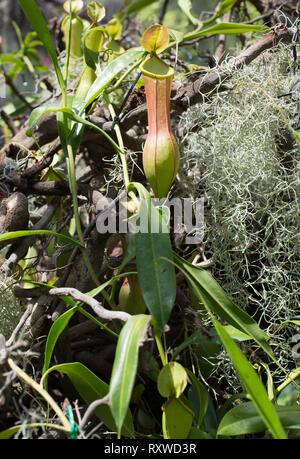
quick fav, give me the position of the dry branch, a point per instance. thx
(99, 310)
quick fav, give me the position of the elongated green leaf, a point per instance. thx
(8, 433)
(39, 24)
(125, 367)
(227, 406)
(244, 419)
(202, 396)
(235, 334)
(91, 388)
(289, 396)
(11, 431)
(57, 328)
(226, 28)
(109, 73)
(11, 59)
(178, 36)
(17, 234)
(252, 384)
(186, 7)
(192, 339)
(156, 276)
(38, 112)
(224, 7)
(214, 298)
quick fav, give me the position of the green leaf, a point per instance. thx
(55, 331)
(155, 39)
(39, 24)
(76, 6)
(114, 28)
(177, 419)
(17, 234)
(38, 112)
(192, 339)
(252, 384)
(11, 59)
(91, 388)
(292, 321)
(224, 7)
(125, 367)
(289, 396)
(227, 405)
(199, 434)
(109, 73)
(178, 36)
(244, 419)
(186, 6)
(172, 380)
(92, 45)
(236, 334)
(95, 11)
(215, 300)
(8, 433)
(226, 28)
(156, 275)
(202, 396)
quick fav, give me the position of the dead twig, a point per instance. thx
(92, 407)
(99, 310)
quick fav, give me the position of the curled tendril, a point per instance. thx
(107, 54)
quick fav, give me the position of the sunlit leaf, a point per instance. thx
(223, 8)
(252, 384)
(155, 39)
(186, 7)
(156, 275)
(95, 11)
(40, 26)
(125, 367)
(17, 234)
(244, 419)
(225, 28)
(216, 301)
(172, 380)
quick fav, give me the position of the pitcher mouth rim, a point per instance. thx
(155, 75)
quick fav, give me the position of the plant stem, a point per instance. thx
(71, 168)
(291, 378)
(122, 78)
(42, 392)
(68, 46)
(162, 353)
(120, 140)
(73, 187)
(121, 145)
